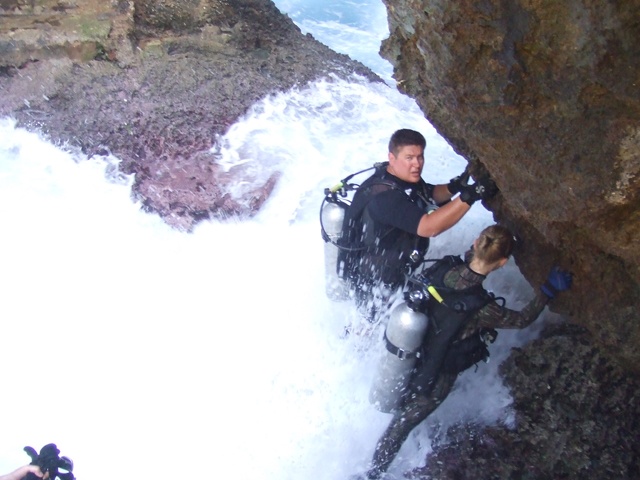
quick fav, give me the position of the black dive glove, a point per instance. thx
(488, 335)
(49, 461)
(483, 189)
(557, 281)
(456, 184)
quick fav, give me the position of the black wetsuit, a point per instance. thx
(383, 222)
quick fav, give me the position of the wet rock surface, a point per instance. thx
(545, 97)
(154, 83)
(576, 417)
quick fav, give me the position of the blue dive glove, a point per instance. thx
(557, 281)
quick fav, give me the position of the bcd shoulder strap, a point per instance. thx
(459, 300)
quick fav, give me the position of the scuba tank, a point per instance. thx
(403, 337)
(331, 218)
(332, 213)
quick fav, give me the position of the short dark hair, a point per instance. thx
(404, 137)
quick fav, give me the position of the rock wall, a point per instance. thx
(154, 82)
(544, 95)
(577, 417)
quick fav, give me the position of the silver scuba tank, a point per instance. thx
(332, 216)
(403, 337)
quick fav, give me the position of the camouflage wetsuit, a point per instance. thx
(418, 407)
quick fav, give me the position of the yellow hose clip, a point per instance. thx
(337, 187)
(434, 293)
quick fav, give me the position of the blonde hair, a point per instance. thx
(494, 243)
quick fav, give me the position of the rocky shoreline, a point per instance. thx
(154, 85)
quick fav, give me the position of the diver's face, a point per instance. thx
(407, 163)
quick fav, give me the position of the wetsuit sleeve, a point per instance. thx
(394, 208)
(428, 189)
(495, 316)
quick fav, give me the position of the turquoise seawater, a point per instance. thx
(355, 28)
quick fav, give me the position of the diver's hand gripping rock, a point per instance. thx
(456, 184)
(488, 188)
(483, 189)
(557, 281)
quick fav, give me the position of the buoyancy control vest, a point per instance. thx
(381, 252)
(448, 310)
